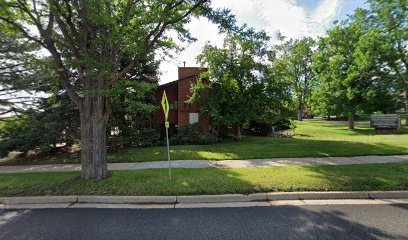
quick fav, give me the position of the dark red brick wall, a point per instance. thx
(172, 95)
(180, 91)
(188, 76)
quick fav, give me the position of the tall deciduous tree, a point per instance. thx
(343, 81)
(87, 41)
(390, 25)
(294, 65)
(237, 87)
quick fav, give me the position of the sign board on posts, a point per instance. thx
(392, 121)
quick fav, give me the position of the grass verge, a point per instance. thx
(389, 176)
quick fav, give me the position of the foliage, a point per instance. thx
(23, 77)
(388, 44)
(362, 64)
(46, 131)
(265, 129)
(133, 101)
(294, 66)
(90, 40)
(145, 137)
(240, 88)
(343, 80)
(191, 134)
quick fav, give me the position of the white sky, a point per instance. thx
(294, 18)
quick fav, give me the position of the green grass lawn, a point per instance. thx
(313, 139)
(390, 176)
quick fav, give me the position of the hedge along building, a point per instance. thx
(178, 92)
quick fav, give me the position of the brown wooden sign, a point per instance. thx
(385, 121)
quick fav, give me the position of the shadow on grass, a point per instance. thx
(266, 223)
(360, 129)
(261, 147)
(226, 223)
(367, 177)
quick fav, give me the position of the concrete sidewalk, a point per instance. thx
(214, 164)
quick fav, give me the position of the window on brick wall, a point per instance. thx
(173, 105)
(193, 118)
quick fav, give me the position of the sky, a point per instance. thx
(293, 18)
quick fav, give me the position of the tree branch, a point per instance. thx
(157, 33)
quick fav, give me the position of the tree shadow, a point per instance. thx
(366, 177)
(250, 223)
(294, 147)
(283, 222)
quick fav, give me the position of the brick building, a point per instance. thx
(178, 92)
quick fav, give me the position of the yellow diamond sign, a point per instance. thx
(166, 108)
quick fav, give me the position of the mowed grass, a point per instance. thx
(389, 176)
(313, 139)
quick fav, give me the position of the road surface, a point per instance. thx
(278, 222)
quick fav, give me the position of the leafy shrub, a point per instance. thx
(148, 137)
(265, 129)
(260, 128)
(208, 139)
(284, 124)
(191, 134)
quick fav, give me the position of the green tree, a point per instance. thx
(48, 128)
(294, 66)
(87, 41)
(389, 42)
(22, 75)
(238, 87)
(343, 80)
(133, 103)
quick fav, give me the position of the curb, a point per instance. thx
(128, 199)
(71, 201)
(39, 200)
(223, 198)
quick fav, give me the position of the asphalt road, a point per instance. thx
(279, 222)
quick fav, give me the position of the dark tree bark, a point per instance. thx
(237, 131)
(351, 121)
(300, 118)
(95, 111)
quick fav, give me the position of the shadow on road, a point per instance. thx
(327, 222)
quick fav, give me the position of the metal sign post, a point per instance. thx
(166, 108)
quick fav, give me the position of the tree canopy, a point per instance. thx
(90, 40)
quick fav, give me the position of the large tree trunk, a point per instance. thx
(100, 122)
(351, 121)
(95, 113)
(86, 139)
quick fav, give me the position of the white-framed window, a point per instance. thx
(193, 118)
